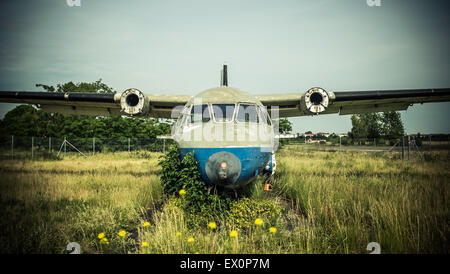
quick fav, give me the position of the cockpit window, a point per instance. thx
(265, 115)
(200, 113)
(223, 112)
(247, 113)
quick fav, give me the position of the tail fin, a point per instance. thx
(224, 81)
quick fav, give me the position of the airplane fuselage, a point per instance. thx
(230, 134)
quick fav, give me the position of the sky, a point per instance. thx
(178, 47)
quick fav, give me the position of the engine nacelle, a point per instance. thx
(133, 102)
(315, 100)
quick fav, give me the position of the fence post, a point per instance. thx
(93, 146)
(340, 148)
(403, 147)
(164, 146)
(65, 145)
(409, 145)
(12, 147)
(429, 144)
(32, 147)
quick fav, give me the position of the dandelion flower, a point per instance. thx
(272, 229)
(146, 224)
(144, 244)
(104, 241)
(182, 192)
(191, 240)
(258, 221)
(196, 252)
(122, 233)
(212, 225)
(101, 235)
(233, 233)
(178, 234)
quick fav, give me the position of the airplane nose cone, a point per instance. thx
(223, 168)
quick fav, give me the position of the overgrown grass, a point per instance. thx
(47, 204)
(350, 199)
(329, 202)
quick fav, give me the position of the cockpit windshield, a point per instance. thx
(223, 112)
(247, 113)
(200, 113)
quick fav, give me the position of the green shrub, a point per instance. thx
(200, 203)
(243, 213)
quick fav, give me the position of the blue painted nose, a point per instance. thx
(232, 166)
(223, 168)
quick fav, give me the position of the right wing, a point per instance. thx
(130, 102)
(318, 101)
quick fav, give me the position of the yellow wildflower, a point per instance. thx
(178, 234)
(191, 240)
(212, 225)
(272, 229)
(122, 233)
(258, 221)
(146, 224)
(144, 244)
(233, 233)
(104, 241)
(101, 235)
(182, 192)
(196, 252)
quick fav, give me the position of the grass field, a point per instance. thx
(331, 202)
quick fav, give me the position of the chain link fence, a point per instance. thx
(426, 147)
(19, 147)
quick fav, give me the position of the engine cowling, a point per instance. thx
(134, 102)
(316, 100)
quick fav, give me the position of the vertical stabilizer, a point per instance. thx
(224, 79)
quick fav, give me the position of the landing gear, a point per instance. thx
(270, 171)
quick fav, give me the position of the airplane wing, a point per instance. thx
(319, 101)
(130, 102)
(314, 101)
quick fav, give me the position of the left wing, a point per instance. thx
(130, 102)
(319, 101)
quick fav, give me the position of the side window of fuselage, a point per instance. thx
(200, 113)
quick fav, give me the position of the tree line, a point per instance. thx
(27, 120)
(386, 125)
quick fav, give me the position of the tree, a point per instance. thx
(359, 128)
(96, 86)
(392, 126)
(284, 126)
(373, 123)
(24, 120)
(376, 125)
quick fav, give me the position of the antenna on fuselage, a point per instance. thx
(224, 79)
